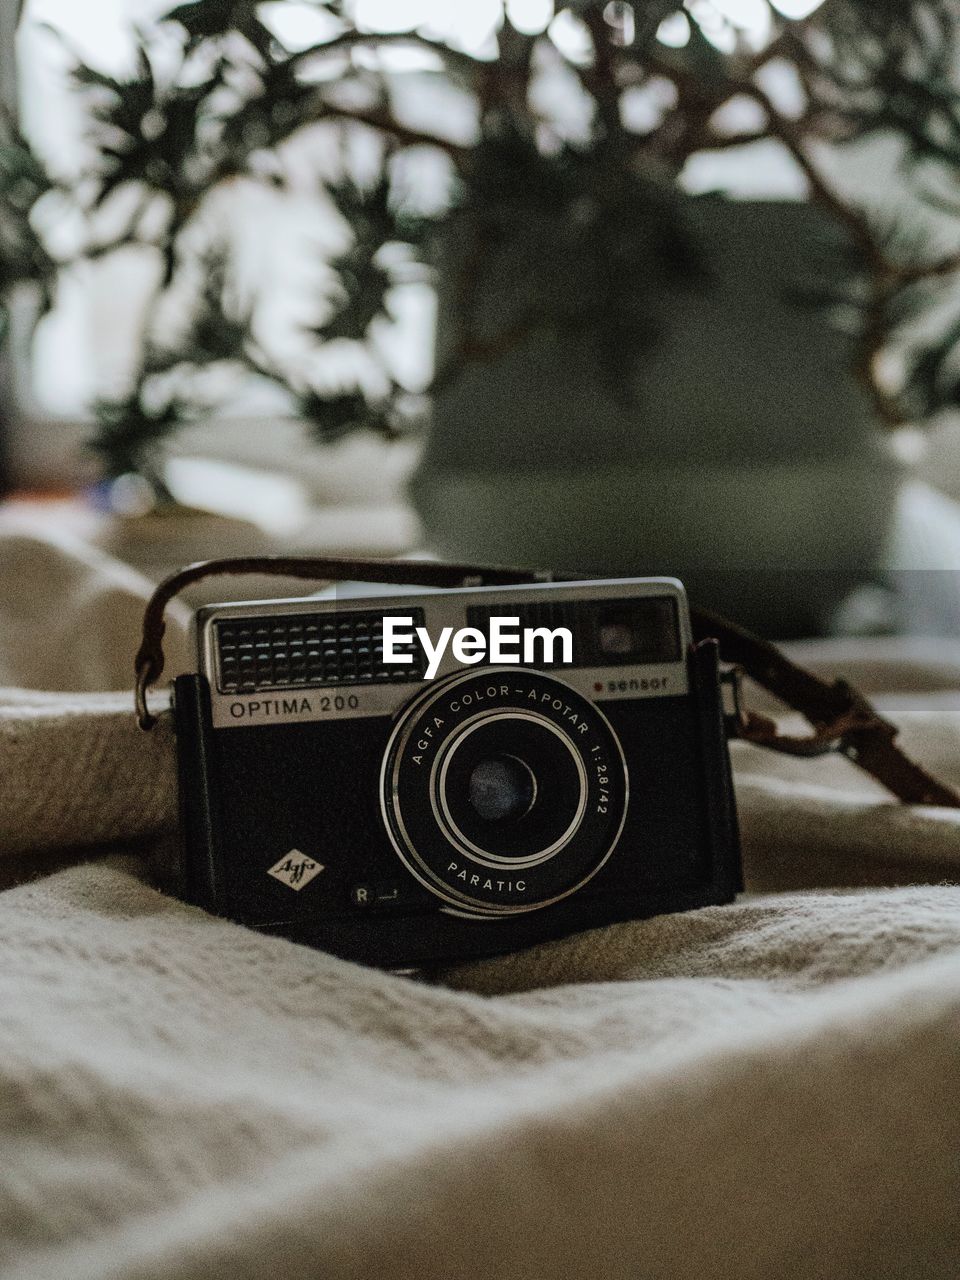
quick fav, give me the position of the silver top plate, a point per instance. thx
(297, 699)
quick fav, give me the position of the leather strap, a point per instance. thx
(841, 718)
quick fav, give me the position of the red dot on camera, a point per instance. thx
(597, 687)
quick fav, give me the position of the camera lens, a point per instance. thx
(502, 790)
(502, 787)
(537, 794)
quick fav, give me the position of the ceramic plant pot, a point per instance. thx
(746, 458)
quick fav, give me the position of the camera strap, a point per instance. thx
(841, 718)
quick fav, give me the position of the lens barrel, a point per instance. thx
(503, 790)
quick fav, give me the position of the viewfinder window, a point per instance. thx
(633, 631)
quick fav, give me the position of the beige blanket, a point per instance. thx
(766, 1089)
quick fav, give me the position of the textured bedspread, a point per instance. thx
(765, 1089)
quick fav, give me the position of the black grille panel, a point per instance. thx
(532, 613)
(311, 650)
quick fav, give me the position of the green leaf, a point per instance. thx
(332, 416)
(127, 435)
(148, 132)
(212, 19)
(933, 380)
(278, 106)
(23, 182)
(202, 19)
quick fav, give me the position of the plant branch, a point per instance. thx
(944, 266)
(600, 78)
(382, 120)
(349, 40)
(885, 276)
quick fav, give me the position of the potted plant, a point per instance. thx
(632, 374)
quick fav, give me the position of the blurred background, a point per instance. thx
(614, 287)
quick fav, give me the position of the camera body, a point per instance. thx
(352, 803)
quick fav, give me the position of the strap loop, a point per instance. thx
(149, 662)
(842, 719)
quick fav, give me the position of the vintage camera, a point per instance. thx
(352, 803)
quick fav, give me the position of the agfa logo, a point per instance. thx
(295, 870)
